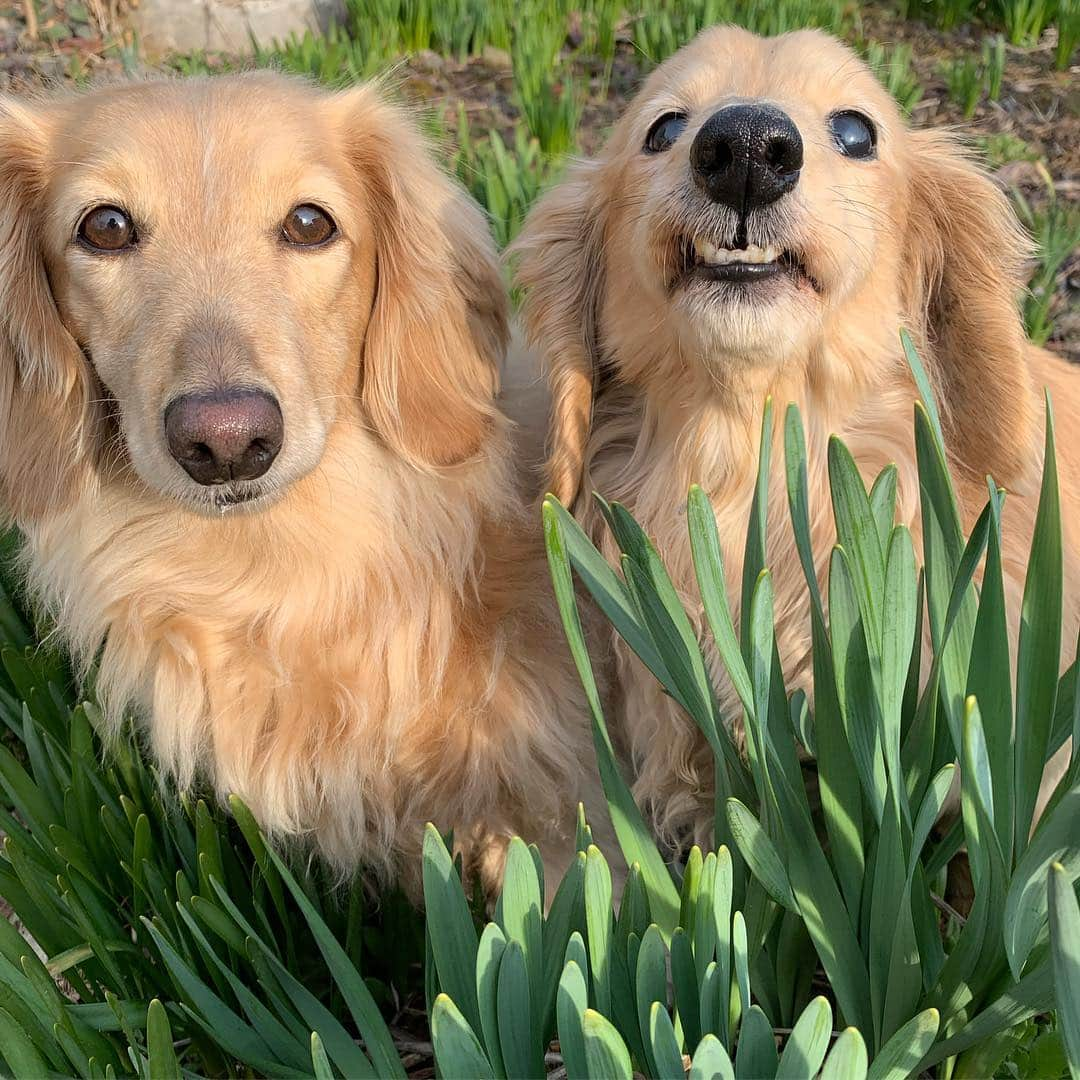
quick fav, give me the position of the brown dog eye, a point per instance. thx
(308, 226)
(107, 228)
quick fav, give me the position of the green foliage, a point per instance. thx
(964, 79)
(892, 64)
(176, 941)
(1002, 147)
(504, 179)
(1056, 231)
(947, 14)
(993, 57)
(187, 945)
(1025, 20)
(338, 57)
(916, 995)
(1068, 28)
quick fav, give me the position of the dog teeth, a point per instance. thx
(714, 256)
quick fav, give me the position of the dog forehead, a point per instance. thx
(235, 129)
(808, 66)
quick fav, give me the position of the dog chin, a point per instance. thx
(233, 500)
(759, 332)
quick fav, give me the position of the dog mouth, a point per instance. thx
(223, 499)
(743, 264)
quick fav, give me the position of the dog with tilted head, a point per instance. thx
(249, 345)
(762, 222)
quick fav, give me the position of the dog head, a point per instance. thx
(760, 201)
(199, 279)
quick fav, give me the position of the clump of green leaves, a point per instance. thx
(337, 58)
(1002, 147)
(1025, 20)
(1068, 28)
(964, 78)
(505, 180)
(545, 88)
(892, 64)
(888, 735)
(993, 56)
(1055, 226)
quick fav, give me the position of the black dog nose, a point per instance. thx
(224, 435)
(747, 156)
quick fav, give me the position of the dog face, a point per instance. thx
(202, 278)
(757, 172)
(761, 202)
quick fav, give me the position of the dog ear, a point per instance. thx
(966, 253)
(45, 382)
(560, 266)
(439, 323)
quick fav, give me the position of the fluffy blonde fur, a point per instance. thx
(656, 386)
(367, 643)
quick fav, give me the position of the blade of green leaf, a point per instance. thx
(709, 568)
(320, 1063)
(605, 1052)
(1039, 648)
(900, 1056)
(1065, 957)
(847, 1059)
(650, 983)
(666, 1053)
(159, 1043)
(572, 1001)
(755, 1055)
(453, 936)
(634, 836)
(457, 1049)
(521, 1051)
(522, 919)
(760, 854)
(711, 1061)
(807, 1043)
(488, 957)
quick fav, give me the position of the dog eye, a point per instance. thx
(664, 132)
(107, 228)
(854, 134)
(308, 226)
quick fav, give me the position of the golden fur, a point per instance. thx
(368, 644)
(656, 387)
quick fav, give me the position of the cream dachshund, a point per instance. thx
(249, 344)
(762, 221)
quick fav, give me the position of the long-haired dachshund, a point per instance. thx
(249, 343)
(762, 221)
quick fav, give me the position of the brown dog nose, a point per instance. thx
(224, 435)
(747, 156)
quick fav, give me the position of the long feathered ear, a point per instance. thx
(965, 256)
(559, 264)
(45, 382)
(439, 324)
